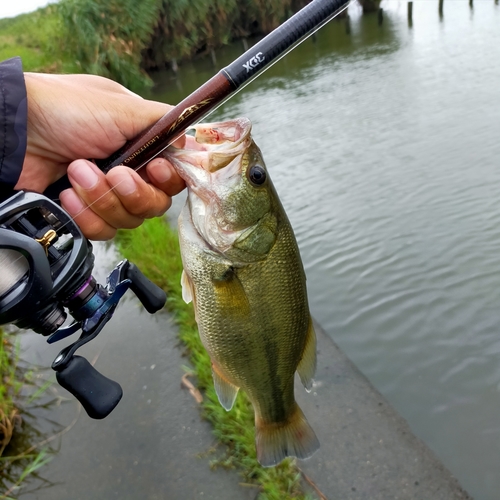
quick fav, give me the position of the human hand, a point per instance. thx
(71, 117)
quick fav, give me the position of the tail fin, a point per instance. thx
(293, 438)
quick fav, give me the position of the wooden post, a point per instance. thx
(348, 24)
(441, 2)
(370, 5)
(380, 16)
(471, 4)
(410, 14)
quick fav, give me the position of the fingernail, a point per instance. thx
(161, 171)
(126, 186)
(71, 202)
(83, 174)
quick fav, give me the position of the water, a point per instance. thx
(384, 145)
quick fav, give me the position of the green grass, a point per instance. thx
(235, 429)
(107, 37)
(83, 36)
(9, 389)
(122, 39)
(37, 38)
(19, 457)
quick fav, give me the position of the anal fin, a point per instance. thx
(226, 392)
(307, 365)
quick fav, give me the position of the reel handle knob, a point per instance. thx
(152, 297)
(98, 394)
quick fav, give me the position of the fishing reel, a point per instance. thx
(45, 274)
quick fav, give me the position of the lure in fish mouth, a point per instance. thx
(244, 275)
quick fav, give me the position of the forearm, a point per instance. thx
(13, 119)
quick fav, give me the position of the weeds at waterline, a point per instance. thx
(122, 39)
(20, 388)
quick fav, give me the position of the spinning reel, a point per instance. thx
(45, 273)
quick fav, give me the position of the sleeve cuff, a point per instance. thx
(13, 119)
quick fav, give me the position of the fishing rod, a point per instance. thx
(46, 261)
(222, 86)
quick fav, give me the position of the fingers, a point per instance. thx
(102, 203)
(139, 198)
(163, 175)
(92, 226)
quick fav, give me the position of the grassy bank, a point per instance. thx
(9, 388)
(235, 429)
(123, 39)
(35, 37)
(22, 449)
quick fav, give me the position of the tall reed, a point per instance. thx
(122, 39)
(184, 28)
(106, 37)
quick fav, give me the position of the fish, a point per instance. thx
(244, 275)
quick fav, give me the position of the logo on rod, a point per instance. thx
(254, 61)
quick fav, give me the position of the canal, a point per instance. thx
(384, 145)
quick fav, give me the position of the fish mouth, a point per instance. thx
(213, 146)
(211, 163)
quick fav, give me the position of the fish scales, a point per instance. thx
(243, 272)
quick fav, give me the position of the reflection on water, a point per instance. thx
(384, 146)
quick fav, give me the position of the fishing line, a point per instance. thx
(277, 37)
(203, 102)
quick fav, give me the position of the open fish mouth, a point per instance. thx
(211, 164)
(214, 146)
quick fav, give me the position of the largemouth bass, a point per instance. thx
(244, 275)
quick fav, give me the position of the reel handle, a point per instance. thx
(152, 297)
(98, 394)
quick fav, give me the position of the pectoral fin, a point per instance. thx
(230, 295)
(226, 392)
(307, 365)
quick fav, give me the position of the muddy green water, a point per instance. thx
(384, 145)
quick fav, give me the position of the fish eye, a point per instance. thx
(257, 175)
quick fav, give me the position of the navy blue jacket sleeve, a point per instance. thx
(13, 118)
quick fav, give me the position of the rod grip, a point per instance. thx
(98, 394)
